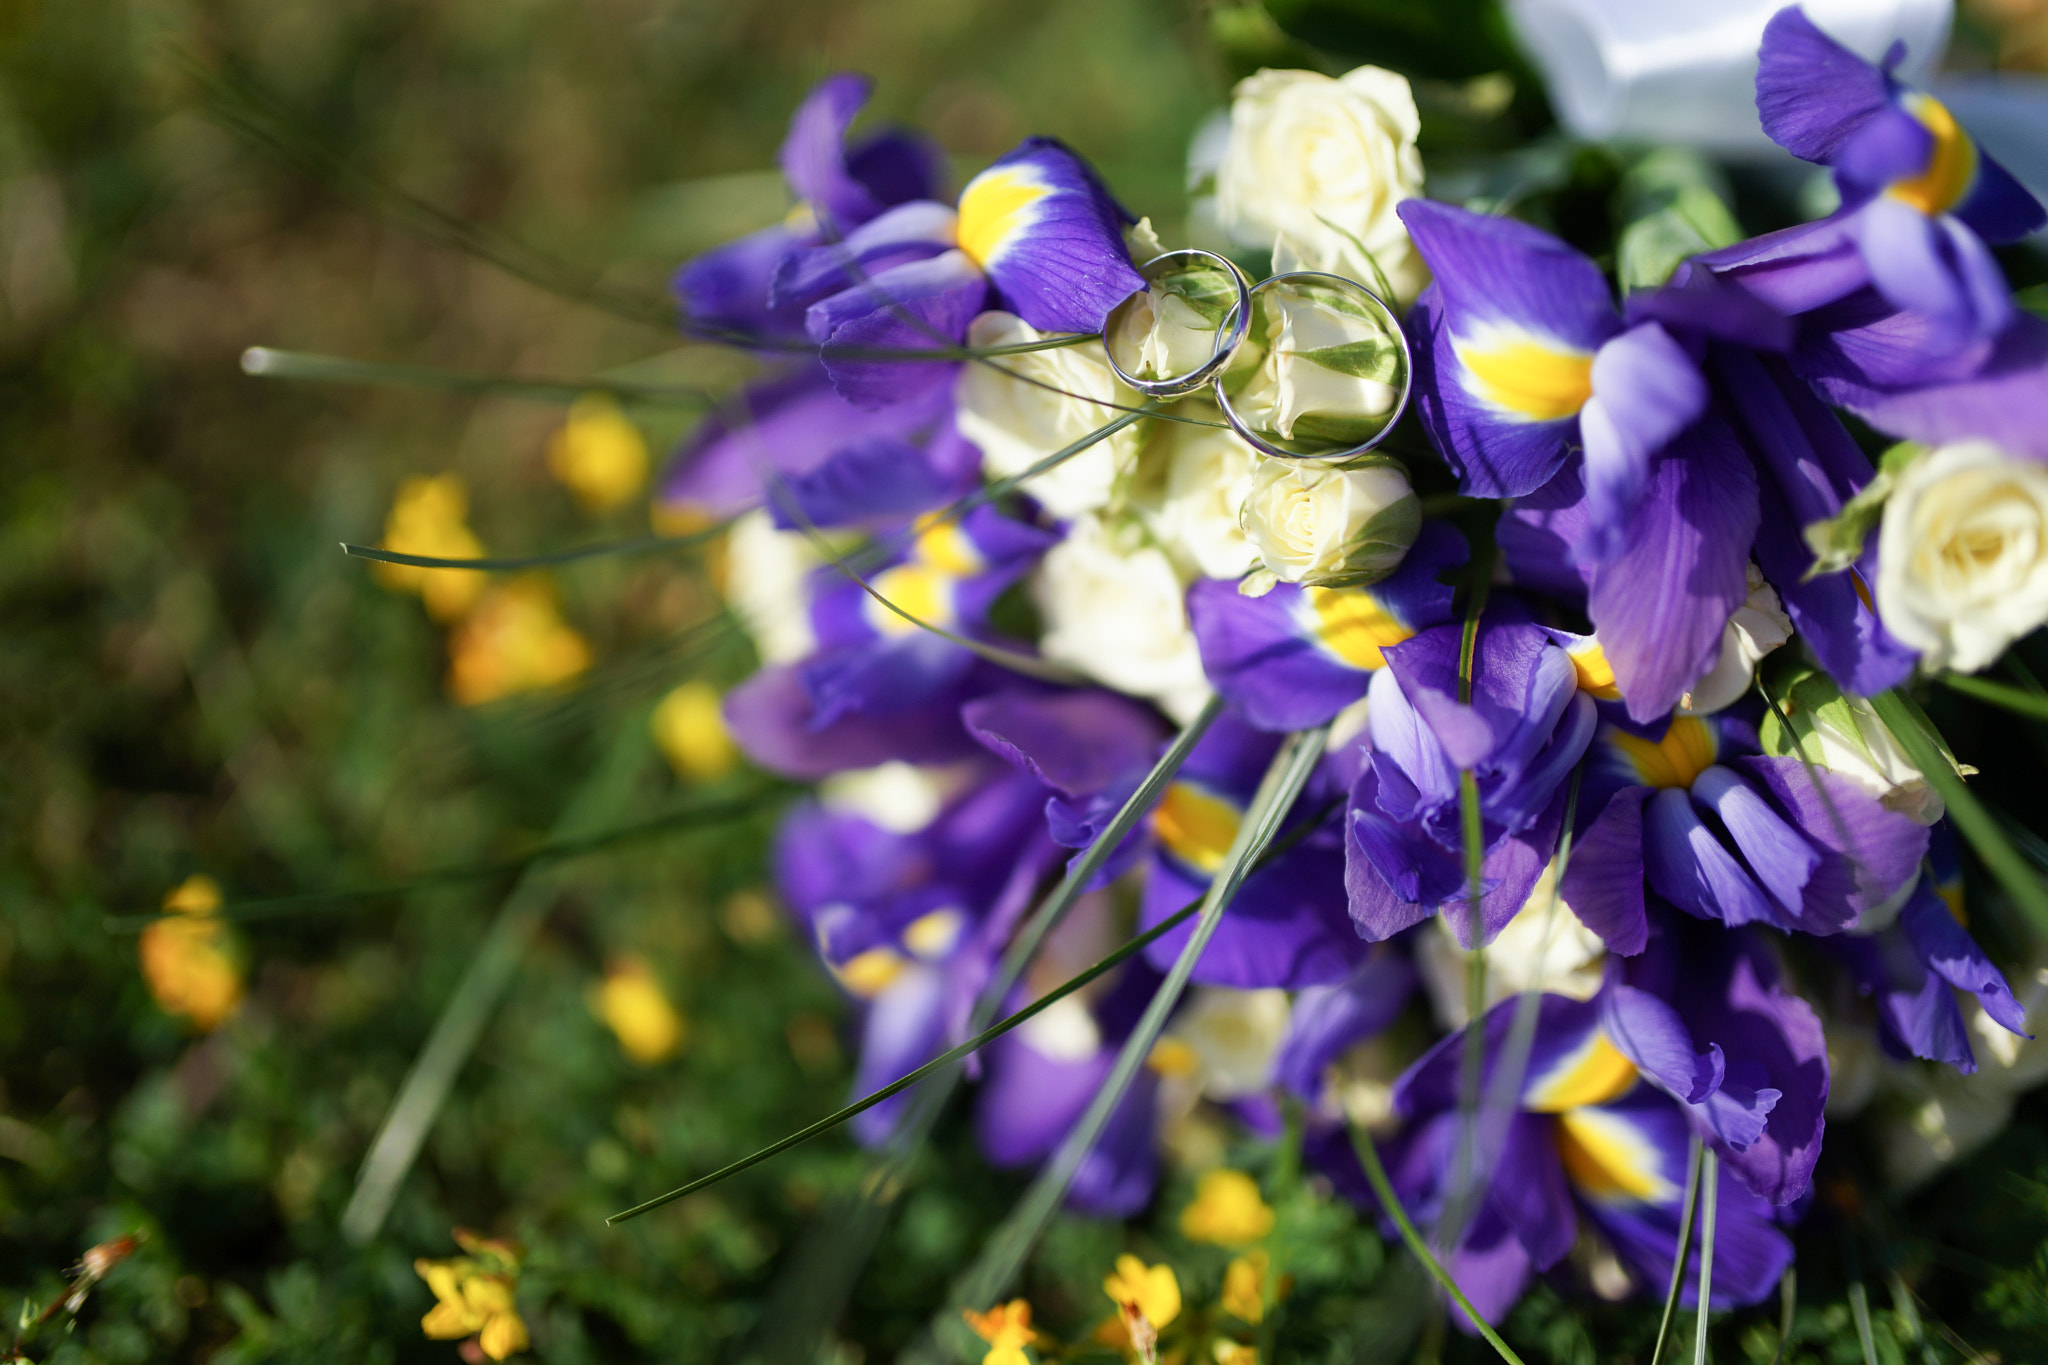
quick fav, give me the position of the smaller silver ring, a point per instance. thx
(1265, 447)
(1225, 350)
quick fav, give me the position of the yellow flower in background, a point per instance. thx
(428, 517)
(1007, 1330)
(690, 728)
(474, 1296)
(632, 1005)
(597, 454)
(1244, 1286)
(1227, 1210)
(186, 961)
(1152, 1292)
(1230, 1352)
(513, 641)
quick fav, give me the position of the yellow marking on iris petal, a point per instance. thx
(1951, 166)
(1688, 748)
(1951, 894)
(1195, 827)
(919, 589)
(944, 546)
(1535, 380)
(1608, 1158)
(1594, 1072)
(1596, 675)
(994, 208)
(933, 936)
(1352, 625)
(868, 974)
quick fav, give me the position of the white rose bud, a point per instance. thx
(1963, 554)
(1017, 422)
(1315, 524)
(1758, 626)
(1328, 368)
(1208, 476)
(1845, 735)
(1116, 611)
(1322, 162)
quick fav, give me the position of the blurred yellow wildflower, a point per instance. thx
(1007, 1330)
(187, 962)
(1230, 1352)
(598, 454)
(633, 1006)
(690, 728)
(1244, 1286)
(513, 641)
(1227, 1210)
(1147, 1298)
(474, 1296)
(428, 518)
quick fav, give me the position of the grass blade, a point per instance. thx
(312, 902)
(2006, 695)
(469, 1009)
(1788, 1304)
(935, 1065)
(637, 545)
(1976, 822)
(1859, 1309)
(1692, 1192)
(999, 1263)
(267, 362)
(1383, 1190)
(812, 1290)
(1710, 1197)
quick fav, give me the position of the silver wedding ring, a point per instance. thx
(1266, 446)
(1230, 333)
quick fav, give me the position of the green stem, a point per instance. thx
(1969, 814)
(1710, 1191)
(1998, 694)
(637, 545)
(1692, 1191)
(1383, 1189)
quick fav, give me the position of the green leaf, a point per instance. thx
(1369, 359)
(1674, 205)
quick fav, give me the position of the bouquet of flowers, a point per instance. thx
(1412, 680)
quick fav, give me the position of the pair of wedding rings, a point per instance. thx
(1230, 338)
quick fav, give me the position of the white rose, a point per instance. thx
(1061, 396)
(1116, 612)
(1315, 159)
(1963, 554)
(1208, 476)
(1160, 335)
(1758, 626)
(1307, 521)
(1289, 386)
(767, 573)
(1871, 757)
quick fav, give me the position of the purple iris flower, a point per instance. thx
(1921, 201)
(1327, 1021)
(868, 691)
(1915, 966)
(1036, 233)
(1905, 318)
(838, 187)
(792, 440)
(910, 921)
(1042, 1076)
(1615, 1089)
(1297, 656)
(1287, 924)
(1692, 810)
(1525, 727)
(1522, 362)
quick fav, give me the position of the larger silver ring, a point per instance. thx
(1230, 333)
(1266, 447)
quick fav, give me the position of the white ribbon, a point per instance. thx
(1684, 71)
